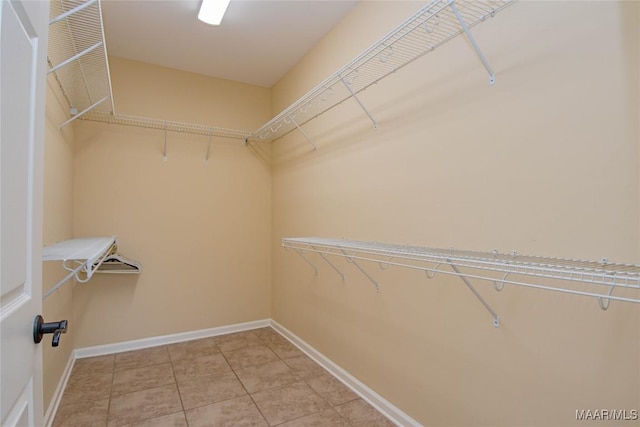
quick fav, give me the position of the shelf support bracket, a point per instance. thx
(328, 261)
(63, 281)
(95, 104)
(164, 151)
(206, 158)
(496, 319)
(353, 261)
(465, 28)
(304, 133)
(299, 252)
(353, 94)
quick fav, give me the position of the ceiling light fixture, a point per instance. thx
(212, 11)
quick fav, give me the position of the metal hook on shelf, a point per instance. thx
(352, 77)
(501, 286)
(434, 271)
(306, 107)
(277, 128)
(385, 265)
(326, 94)
(384, 57)
(429, 29)
(604, 302)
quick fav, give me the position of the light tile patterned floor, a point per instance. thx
(253, 378)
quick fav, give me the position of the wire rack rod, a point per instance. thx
(603, 273)
(171, 126)
(427, 29)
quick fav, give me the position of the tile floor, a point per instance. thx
(253, 378)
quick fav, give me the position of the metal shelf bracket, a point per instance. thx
(164, 151)
(324, 257)
(206, 157)
(353, 261)
(496, 319)
(465, 28)
(354, 96)
(307, 137)
(299, 252)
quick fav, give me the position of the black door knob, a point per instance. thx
(56, 328)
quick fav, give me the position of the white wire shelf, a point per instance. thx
(432, 26)
(497, 268)
(171, 126)
(77, 56)
(81, 257)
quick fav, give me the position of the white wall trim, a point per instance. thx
(50, 414)
(101, 350)
(392, 412)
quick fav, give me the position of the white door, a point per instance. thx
(23, 50)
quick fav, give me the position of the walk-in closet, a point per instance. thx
(320, 213)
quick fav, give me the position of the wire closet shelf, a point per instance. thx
(81, 257)
(78, 59)
(432, 26)
(165, 125)
(77, 56)
(495, 267)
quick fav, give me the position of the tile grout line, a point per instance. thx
(184, 411)
(113, 378)
(243, 386)
(299, 378)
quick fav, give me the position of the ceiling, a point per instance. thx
(257, 42)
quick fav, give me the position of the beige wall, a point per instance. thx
(545, 162)
(57, 226)
(201, 232)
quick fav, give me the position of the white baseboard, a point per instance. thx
(101, 350)
(50, 415)
(385, 407)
